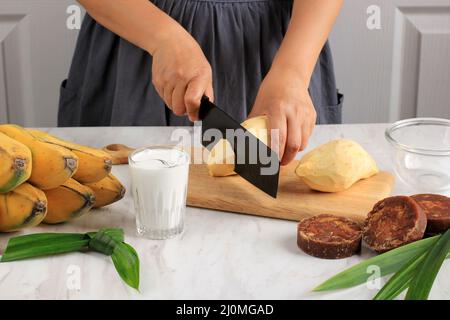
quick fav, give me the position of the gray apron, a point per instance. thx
(109, 82)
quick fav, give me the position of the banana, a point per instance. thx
(68, 201)
(23, 207)
(52, 165)
(94, 164)
(15, 163)
(107, 191)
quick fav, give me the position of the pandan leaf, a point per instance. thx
(388, 263)
(126, 261)
(422, 282)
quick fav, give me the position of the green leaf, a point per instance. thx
(115, 233)
(422, 283)
(400, 280)
(106, 241)
(36, 245)
(400, 289)
(126, 261)
(388, 263)
(32, 238)
(103, 242)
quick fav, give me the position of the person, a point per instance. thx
(135, 60)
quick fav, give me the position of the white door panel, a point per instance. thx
(18, 72)
(421, 72)
(3, 104)
(36, 51)
(399, 71)
(433, 96)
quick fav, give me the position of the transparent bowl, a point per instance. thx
(422, 153)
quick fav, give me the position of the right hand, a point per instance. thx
(181, 73)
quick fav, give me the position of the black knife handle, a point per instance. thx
(205, 106)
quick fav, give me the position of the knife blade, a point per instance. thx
(254, 160)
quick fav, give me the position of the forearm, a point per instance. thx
(138, 21)
(308, 30)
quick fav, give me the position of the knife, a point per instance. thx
(254, 160)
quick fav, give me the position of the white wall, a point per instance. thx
(401, 70)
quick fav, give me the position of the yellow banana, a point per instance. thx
(107, 191)
(15, 163)
(23, 207)
(68, 201)
(93, 164)
(52, 165)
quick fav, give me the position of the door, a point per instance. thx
(399, 70)
(36, 46)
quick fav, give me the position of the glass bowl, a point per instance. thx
(422, 153)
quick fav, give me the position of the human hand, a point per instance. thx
(181, 73)
(285, 99)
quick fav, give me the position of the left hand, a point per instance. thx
(285, 99)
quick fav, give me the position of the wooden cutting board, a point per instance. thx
(295, 200)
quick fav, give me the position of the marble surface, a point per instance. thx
(219, 255)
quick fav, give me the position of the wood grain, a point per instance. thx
(295, 200)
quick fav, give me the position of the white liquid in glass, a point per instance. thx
(159, 177)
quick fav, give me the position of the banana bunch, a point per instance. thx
(94, 164)
(70, 200)
(46, 179)
(52, 165)
(25, 206)
(15, 163)
(107, 191)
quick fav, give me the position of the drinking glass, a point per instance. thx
(159, 178)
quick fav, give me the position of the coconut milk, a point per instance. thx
(159, 177)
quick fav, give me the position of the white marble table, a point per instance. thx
(219, 256)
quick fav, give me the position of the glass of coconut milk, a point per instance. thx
(159, 177)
